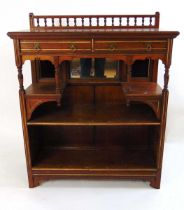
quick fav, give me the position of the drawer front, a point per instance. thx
(73, 46)
(54, 46)
(120, 46)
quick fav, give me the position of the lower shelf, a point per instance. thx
(93, 160)
(90, 114)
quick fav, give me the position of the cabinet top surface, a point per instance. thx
(93, 32)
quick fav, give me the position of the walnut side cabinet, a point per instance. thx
(99, 128)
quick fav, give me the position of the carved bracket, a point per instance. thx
(37, 57)
(161, 57)
(32, 103)
(149, 93)
(154, 104)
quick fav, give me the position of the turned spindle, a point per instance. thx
(52, 22)
(38, 22)
(128, 21)
(67, 22)
(45, 21)
(82, 22)
(97, 21)
(135, 21)
(166, 77)
(112, 21)
(20, 78)
(60, 21)
(120, 21)
(75, 22)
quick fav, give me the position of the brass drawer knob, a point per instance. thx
(37, 46)
(112, 47)
(73, 47)
(148, 47)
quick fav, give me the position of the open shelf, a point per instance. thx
(87, 114)
(40, 93)
(93, 148)
(41, 89)
(99, 158)
(141, 89)
(149, 93)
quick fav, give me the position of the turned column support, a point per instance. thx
(19, 62)
(167, 64)
(20, 78)
(57, 78)
(166, 77)
(129, 72)
(129, 61)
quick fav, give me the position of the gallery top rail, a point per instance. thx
(94, 21)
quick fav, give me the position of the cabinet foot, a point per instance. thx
(155, 183)
(34, 183)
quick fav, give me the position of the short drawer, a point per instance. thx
(45, 46)
(121, 46)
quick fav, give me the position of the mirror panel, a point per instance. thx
(94, 68)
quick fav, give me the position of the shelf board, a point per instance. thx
(85, 114)
(95, 160)
(141, 89)
(41, 89)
